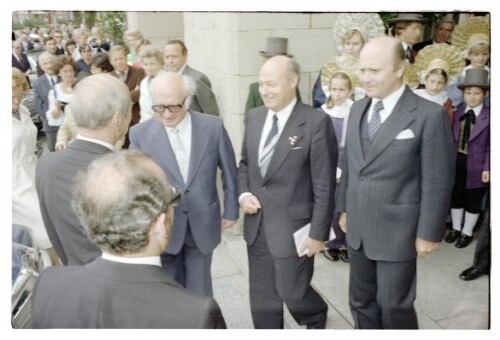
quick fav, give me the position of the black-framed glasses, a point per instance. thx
(160, 108)
(176, 196)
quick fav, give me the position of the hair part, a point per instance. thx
(439, 72)
(337, 75)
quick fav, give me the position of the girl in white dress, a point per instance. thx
(25, 205)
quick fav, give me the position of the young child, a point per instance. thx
(337, 106)
(471, 131)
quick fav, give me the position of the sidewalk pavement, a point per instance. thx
(443, 300)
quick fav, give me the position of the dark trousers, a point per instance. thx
(190, 267)
(462, 197)
(381, 293)
(482, 253)
(278, 280)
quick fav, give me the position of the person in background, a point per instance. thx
(99, 63)
(20, 61)
(125, 205)
(83, 64)
(152, 61)
(135, 41)
(25, 206)
(286, 181)
(441, 34)
(175, 54)
(101, 109)
(190, 147)
(408, 29)
(71, 50)
(394, 193)
(471, 131)
(58, 37)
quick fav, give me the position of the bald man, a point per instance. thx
(190, 147)
(395, 191)
(286, 180)
(125, 205)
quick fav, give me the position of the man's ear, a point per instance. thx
(161, 227)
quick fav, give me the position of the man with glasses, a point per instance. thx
(125, 205)
(190, 147)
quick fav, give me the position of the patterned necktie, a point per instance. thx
(376, 122)
(267, 151)
(470, 118)
(408, 55)
(180, 153)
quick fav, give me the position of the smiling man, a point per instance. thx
(190, 147)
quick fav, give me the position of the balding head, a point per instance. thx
(278, 81)
(118, 198)
(382, 66)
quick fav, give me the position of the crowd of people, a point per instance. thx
(132, 231)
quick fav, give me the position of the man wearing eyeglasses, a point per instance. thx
(125, 205)
(190, 147)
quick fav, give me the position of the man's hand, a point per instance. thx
(343, 222)
(227, 223)
(250, 204)
(424, 247)
(313, 246)
(485, 176)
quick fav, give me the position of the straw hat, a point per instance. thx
(475, 77)
(408, 17)
(368, 24)
(443, 56)
(276, 46)
(471, 32)
(340, 64)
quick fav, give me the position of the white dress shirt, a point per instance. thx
(185, 133)
(151, 260)
(389, 102)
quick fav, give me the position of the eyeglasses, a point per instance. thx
(176, 196)
(160, 108)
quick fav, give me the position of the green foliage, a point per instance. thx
(114, 24)
(37, 21)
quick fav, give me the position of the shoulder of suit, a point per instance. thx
(210, 119)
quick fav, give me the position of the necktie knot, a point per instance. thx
(376, 121)
(469, 115)
(408, 54)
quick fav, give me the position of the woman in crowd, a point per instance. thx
(83, 65)
(152, 62)
(135, 41)
(25, 206)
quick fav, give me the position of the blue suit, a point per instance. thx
(197, 221)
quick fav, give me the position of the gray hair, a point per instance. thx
(151, 51)
(97, 98)
(117, 199)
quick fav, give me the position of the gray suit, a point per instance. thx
(204, 98)
(197, 221)
(41, 98)
(393, 190)
(298, 188)
(106, 294)
(55, 175)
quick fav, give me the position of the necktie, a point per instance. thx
(376, 122)
(470, 118)
(408, 55)
(180, 153)
(52, 82)
(270, 143)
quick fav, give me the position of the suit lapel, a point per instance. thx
(357, 119)
(255, 126)
(199, 143)
(399, 119)
(163, 151)
(293, 130)
(481, 123)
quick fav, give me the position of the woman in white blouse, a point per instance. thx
(152, 62)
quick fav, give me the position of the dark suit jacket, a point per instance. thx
(55, 175)
(401, 188)
(478, 146)
(106, 294)
(204, 99)
(134, 77)
(299, 185)
(41, 97)
(199, 207)
(24, 66)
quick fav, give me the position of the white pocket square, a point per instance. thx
(405, 134)
(297, 148)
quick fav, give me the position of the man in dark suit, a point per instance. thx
(286, 180)
(132, 76)
(50, 46)
(20, 60)
(190, 147)
(175, 54)
(395, 190)
(101, 110)
(441, 34)
(58, 37)
(126, 205)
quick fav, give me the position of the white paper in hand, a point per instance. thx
(300, 236)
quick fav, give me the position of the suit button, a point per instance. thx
(264, 188)
(186, 191)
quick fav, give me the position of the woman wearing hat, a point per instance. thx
(408, 28)
(350, 33)
(436, 66)
(471, 131)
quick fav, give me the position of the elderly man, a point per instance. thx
(441, 34)
(50, 46)
(286, 180)
(101, 110)
(175, 54)
(125, 205)
(190, 147)
(395, 189)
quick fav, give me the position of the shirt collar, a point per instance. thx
(182, 68)
(151, 260)
(183, 125)
(391, 100)
(477, 110)
(97, 141)
(284, 114)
